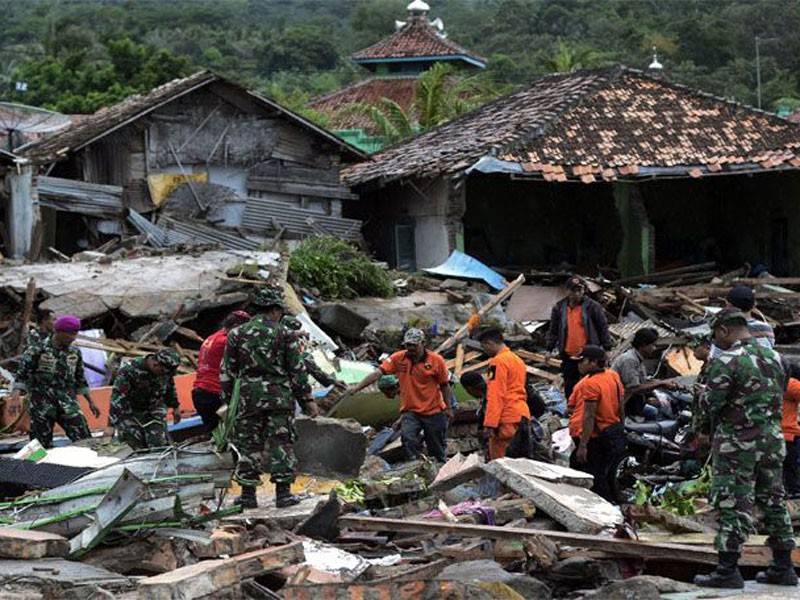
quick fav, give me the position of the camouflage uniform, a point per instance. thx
(53, 377)
(139, 403)
(312, 368)
(266, 357)
(743, 402)
(35, 337)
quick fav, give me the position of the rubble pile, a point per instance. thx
(94, 519)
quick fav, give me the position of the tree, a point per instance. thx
(569, 58)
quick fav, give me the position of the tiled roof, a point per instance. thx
(417, 38)
(106, 120)
(370, 91)
(593, 126)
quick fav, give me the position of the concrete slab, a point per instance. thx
(330, 447)
(30, 544)
(576, 508)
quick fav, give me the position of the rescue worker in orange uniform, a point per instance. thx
(596, 417)
(791, 435)
(506, 398)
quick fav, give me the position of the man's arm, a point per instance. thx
(229, 368)
(495, 392)
(447, 396)
(589, 414)
(119, 405)
(25, 370)
(366, 382)
(82, 386)
(555, 327)
(718, 387)
(601, 324)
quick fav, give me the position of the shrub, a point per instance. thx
(337, 269)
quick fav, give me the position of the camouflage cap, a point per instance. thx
(388, 382)
(292, 323)
(414, 336)
(728, 316)
(267, 297)
(168, 358)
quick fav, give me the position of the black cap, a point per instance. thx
(592, 353)
(575, 282)
(742, 297)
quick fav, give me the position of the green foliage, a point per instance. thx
(337, 269)
(351, 491)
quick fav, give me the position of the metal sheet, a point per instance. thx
(182, 232)
(262, 214)
(534, 302)
(463, 266)
(80, 197)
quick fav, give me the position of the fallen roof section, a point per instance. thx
(597, 125)
(109, 119)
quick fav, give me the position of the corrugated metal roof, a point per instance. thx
(74, 196)
(182, 232)
(262, 214)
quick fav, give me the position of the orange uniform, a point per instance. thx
(419, 381)
(791, 398)
(606, 389)
(506, 400)
(576, 332)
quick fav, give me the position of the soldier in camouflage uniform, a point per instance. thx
(143, 391)
(51, 372)
(743, 403)
(266, 358)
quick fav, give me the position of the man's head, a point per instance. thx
(389, 385)
(491, 341)
(44, 319)
(591, 359)
(741, 297)
(576, 290)
(474, 383)
(702, 349)
(65, 330)
(163, 362)
(236, 318)
(728, 327)
(269, 302)
(414, 343)
(644, 341)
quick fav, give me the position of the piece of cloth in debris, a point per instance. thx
(53, 377)
(266, 357)
(744, 401)
(469, 507)
(139, 403)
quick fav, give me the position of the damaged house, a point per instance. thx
(605, 168)
(221, 163)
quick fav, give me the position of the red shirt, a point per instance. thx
(209, 360)
(791, 398)
(576, 332)
(420, 382)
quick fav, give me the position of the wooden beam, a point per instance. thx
(485, 309)
(307, 188)
(459, 366)
(620, 547)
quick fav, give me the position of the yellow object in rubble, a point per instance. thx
(163, 184)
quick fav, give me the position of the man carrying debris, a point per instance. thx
(743, 403)
(596, 417)
(51, 373)
(265, 357)
(206, 390)
(576, 321)
(506, 398)
(631, 370)
(425, 395)
(143, 390)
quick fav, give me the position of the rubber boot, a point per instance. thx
(284, 497)
(781, 571)
(248, 497)
(726, 575)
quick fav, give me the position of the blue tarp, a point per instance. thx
(463, 266)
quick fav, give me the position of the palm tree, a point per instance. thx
(571, 58)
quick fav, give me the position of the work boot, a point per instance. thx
(781, 571)
(284, 497)
(726, 575)
(248, 497)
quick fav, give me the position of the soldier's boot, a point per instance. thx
(726, 575)
(284, 497)
(248, 497)
(781, 571)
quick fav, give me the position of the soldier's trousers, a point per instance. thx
(252, 429)
(746, 474)
(46, 412)
(143, 431)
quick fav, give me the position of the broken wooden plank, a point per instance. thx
(205, 579)
(482, 311)
(576, 508)
(259, 562)
(619, 547)
(30, 544)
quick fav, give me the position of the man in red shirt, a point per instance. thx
(596, 417)
(425, 395)
(206, 390)
(506, 398)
